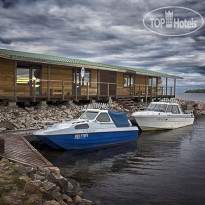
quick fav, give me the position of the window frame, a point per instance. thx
(30, 68)
(106, 121)
(129, 80)
(79, 82)
(81, 125)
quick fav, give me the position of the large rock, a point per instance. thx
(7, 125)
(200, 106)
(53, 202)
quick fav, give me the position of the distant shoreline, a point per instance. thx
(195, 91)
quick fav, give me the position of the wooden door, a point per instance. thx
(105, 78)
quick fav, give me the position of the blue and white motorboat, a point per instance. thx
(92, 128)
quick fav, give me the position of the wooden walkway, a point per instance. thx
(18, 149)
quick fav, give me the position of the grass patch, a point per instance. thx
(18, 182)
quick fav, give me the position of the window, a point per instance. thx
(86, 79)
(153, 82)
(126, 81)
(89, 115)
(23, 76)
(169, 109)
(103, 117)
(82, 81)
(175, 109)
(82, 126)
(160, 107)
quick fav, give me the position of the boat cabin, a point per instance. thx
(173, 108)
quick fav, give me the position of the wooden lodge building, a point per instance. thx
(37, 77)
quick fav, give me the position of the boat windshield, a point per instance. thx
(157, 107)
(88, 115)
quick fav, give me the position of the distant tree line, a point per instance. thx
(195, 91)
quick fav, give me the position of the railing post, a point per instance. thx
(139, 92)
(48, 83)
(166, 86)
(146, 88)
(15, 79)
(34, 91)
(151, 91)
(76, 95)
(108, 89)
(87, 90)
(98, 84)
(171, 91)
(63, 90)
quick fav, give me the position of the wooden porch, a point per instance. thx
(57, 90)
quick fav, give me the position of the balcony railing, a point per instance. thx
(70, 90)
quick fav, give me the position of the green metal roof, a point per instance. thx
(55, 59)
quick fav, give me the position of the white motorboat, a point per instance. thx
(162, 115)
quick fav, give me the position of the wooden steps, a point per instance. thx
(129, 104)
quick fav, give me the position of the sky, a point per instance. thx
(105, 31)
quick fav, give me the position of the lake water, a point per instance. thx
(192, 96)
(163, 167)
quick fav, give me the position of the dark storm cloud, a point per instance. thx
(104, 31)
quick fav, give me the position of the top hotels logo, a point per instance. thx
(173, 21)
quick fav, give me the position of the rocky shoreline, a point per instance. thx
(21, 185)
(40, 117)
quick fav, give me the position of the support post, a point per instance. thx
(48, 83)
(108, 89)
(63, 90)
(34, 91)
(157, 87)
(166, 86)
(98, 84)
(174, 87)
(76, 94)
(151, 91)
(133, 89)
(139, 95)
(15, 79)
(87, 90)
(146, 90)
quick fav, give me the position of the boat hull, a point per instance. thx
(160, 123)
(91, 140)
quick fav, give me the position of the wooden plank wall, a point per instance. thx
(120, 85)
(93, 84)
(6, 77)
(57, 75)
(140, 80)
(63, 73)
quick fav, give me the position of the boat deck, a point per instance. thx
(18, 149)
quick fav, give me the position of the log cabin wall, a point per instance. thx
(93, 84)
(121, 90)
(59, 74)
(6, 77)
(140, 82)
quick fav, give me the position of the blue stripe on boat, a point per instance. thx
(89, 140)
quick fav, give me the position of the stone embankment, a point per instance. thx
(198, 108)
(16, 118)
(22, 185)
